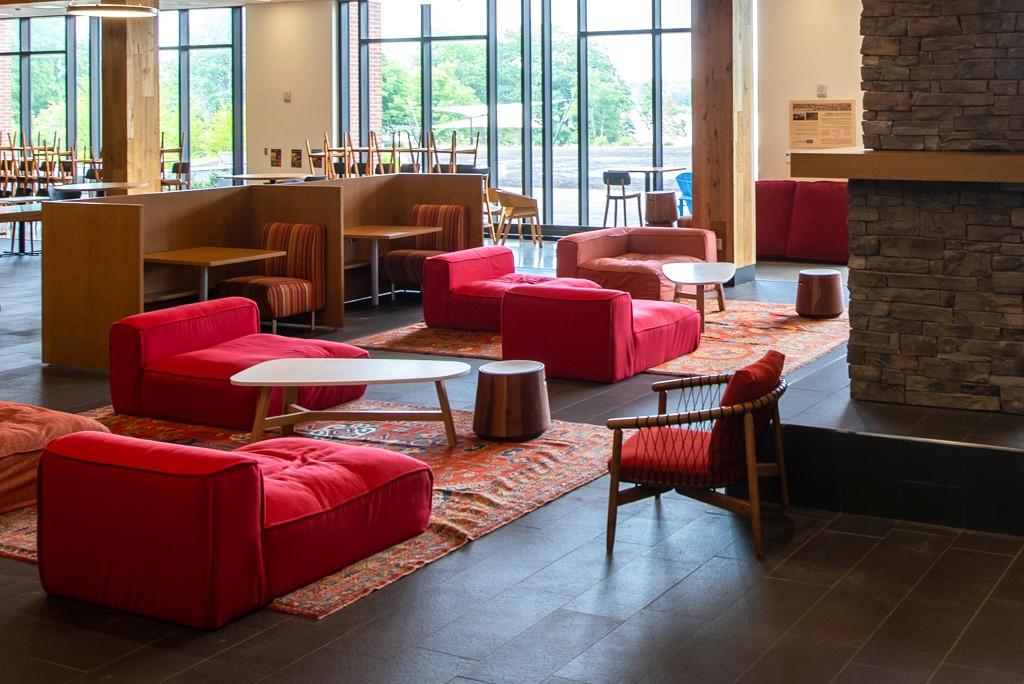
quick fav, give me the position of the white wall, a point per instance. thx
(802, 43)
(288, 48)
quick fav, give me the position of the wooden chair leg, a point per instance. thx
(312, 321)
(273, 326)
(721, 296)
(639, 211)
(607, 201)
(780, 457)
(752, 483)
(613, 492)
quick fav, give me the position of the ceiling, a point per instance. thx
(56, 7)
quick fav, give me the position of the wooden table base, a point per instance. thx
(295, 414)
(699, 296)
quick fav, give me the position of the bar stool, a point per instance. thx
(511, 401)
(620, 179)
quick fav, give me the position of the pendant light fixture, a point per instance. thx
(126, 9)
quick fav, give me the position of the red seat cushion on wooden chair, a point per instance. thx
(667, 457)
(404, 267)
(276, 296)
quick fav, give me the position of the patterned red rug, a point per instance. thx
(732, 339)
(478, 487)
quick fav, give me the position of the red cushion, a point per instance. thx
(754, 381)
(666, 456)
(194, 387)
(774, 212)
(444, 272)
(477, 305)
(818, 229)
(727, 453)
(276, 296)
(495, 288)
(663, 331)
(328, 505)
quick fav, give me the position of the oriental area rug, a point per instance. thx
(740, 335)
(478, 487)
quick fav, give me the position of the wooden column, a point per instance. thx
(131, 102)
(723, 135)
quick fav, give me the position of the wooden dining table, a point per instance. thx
(20, 215)
(205, 258)
(377, 233)
(99, 187)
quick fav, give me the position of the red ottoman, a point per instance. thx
(464, 290)
(24, 431)
(594, 334)
(200, 537)
(176, 364)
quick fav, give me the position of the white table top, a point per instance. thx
(333, 372)
(699, 272)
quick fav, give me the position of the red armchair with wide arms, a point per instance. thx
(176, 363)
(199, 537)
(464, 290)
(594, 334)
(630, 259)
(290, 285)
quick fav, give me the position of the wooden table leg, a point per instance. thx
(700, 305)
(291, 395)
(721, 296)
(262, 406)
(446, 411)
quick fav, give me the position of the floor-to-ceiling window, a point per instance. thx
(564, 89)
(200, 92)
(47, 80)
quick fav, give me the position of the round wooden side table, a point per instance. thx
(511, 401)
(819, 293)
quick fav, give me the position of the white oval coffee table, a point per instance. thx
(700, 274)
(291, 374)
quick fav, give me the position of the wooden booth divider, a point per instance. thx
(93, 262)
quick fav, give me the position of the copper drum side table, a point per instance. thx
(662, 208)
(511, 401)
(819, 293)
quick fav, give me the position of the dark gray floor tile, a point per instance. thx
(991, 543)
(701, 539)
(708, 591)
(576, 572)
(851, 611)
(826, 558)
(1011, 587)
(646, 642)
(994, 640)
(631, 587)
(706, 659)
(494, 623)
(67, 644)
(795, 660)
(27, 670)
(854, 673)
(901, 558)
(411, 666)
(952, 674)
(961, 578)
(542, 650)
(766, 612)
(862, 524)
(916, 637)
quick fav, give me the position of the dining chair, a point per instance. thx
(620, 180)
(519, 208)
(685, 183)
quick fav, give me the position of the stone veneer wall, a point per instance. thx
(937, 269)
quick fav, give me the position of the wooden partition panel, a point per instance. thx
(308, 203)
(92, 276)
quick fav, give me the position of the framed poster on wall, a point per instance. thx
(818, 124)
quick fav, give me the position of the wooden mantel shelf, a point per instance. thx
(974, 167)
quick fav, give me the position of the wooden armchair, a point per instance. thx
(519, 208)
(706, 445)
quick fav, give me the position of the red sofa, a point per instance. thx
(199, 537)
(594, 334)
(176, 364)
(802, 220)
(630, 259)
(464, 290)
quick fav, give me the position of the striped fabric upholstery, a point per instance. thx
(451, 217)
(404, 267)
(292, 284)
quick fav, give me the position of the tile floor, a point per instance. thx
(840, 598)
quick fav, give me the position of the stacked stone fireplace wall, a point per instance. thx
(937, 269)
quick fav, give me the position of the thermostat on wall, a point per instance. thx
(287, 96)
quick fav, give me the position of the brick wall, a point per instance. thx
(937, 269)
